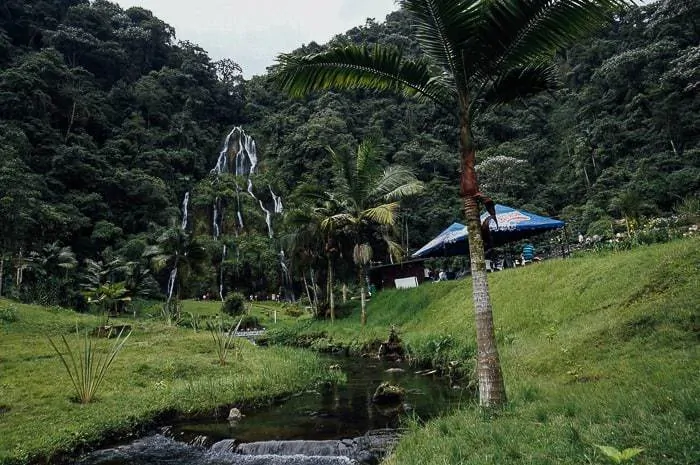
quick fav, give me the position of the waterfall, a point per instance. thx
(184, 211)
(286, 277)
(244, 163)
(268, 219)
(171, 283)
(183, 226)
(277, 200)
(221, 274)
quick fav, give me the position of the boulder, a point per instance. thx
(387, 393)
(234, 414)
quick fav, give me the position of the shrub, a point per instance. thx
(8, 314)
(234, 304)
(249, 322)
(295, 311)
(602, 227)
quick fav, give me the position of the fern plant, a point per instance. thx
(88, 362)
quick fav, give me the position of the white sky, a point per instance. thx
(253, 32)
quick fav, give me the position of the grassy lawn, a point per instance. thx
(162, 370)
(601, 349)
(270, 314)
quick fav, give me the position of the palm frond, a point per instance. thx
(381, 68)
(160, 261)
(384, 214)
(362, 254)
(338, 221)
(151, 250)
(345, 172)
(395, 250)
(522, 32)
(397, 182)
(518, 83)
(441, 26)
(368, 162)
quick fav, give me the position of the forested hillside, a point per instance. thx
(106, 121)
(623, 127)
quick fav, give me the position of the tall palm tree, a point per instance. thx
(478, 53)
(368, 197)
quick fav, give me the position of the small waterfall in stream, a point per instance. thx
(244, 164)
(164, 450)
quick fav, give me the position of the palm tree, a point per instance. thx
(368, 197)
(101, 288)
(312, 238)
(178, 251)
(478, 54)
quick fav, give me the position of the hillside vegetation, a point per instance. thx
(600, 349)
(107, 120)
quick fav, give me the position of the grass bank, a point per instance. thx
(162, 371)
(600, 349)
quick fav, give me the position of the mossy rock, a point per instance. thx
(387, 393)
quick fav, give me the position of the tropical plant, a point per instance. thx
(108, 297)
(223, 339)
(311, 238)
(52, 259)
(617, 456)
(368, 199)
(88, 362)
(97, 273)
(99, 289)
(478, 54)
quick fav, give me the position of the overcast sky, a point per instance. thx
(253, 32)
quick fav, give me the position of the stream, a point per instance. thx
(336, 425)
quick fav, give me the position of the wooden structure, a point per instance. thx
(383, 276)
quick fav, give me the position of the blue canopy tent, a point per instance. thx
(513, 225)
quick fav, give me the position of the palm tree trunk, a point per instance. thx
(315, 291)
(492, 392)
(308, 293)
(331, 296)
(20, 271)
(2, 270)
(363, 298)
(345, 292)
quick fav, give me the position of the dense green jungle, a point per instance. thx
(107, 121)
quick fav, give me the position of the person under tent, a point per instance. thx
(528, 253)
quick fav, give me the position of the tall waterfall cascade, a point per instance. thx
(239, 156)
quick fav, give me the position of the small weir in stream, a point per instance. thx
(328, 426)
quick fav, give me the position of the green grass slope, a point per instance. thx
(161, 370)
(601, 349)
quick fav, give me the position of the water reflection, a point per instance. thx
(337, 412)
